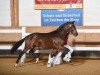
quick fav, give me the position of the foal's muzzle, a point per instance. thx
(75, 33)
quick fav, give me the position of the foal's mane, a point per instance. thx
(61, 27)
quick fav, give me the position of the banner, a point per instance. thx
(58, 17)
(58, 4)
(58, 1)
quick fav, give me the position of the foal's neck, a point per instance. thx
(63, 34)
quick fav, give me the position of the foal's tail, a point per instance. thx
(16, 46)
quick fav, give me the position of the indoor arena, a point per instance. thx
(49, 37)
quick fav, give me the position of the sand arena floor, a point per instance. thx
(75, 67)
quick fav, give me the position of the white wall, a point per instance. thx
(91, 12)
(28, 16)
(5, 19)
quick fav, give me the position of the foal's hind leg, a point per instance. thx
(35, 54)
(21, 55)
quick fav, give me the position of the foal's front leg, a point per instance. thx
(50, 61)
(67, 57)
(51, 58)
(58, 59)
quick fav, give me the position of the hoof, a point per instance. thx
(68, 60)
(22, 62)
(49, 65)
(55, 65)
(15, 65)
(37, 60)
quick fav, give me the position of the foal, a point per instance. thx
(54, 40)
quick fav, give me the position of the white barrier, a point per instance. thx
(11, 30)
(23, 31)
(88, 30)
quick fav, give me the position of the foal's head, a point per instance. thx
(70, 28)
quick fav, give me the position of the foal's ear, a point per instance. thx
(73, 22)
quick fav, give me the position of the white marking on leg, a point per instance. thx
(68, 60)
(37, 60)
(49, 58)
(57, 60)
(37, 51)
(22, 46)
(67, 57)
(22, 60)
(24, 55)
(50, 61)
(15, 65)
(69, 47)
